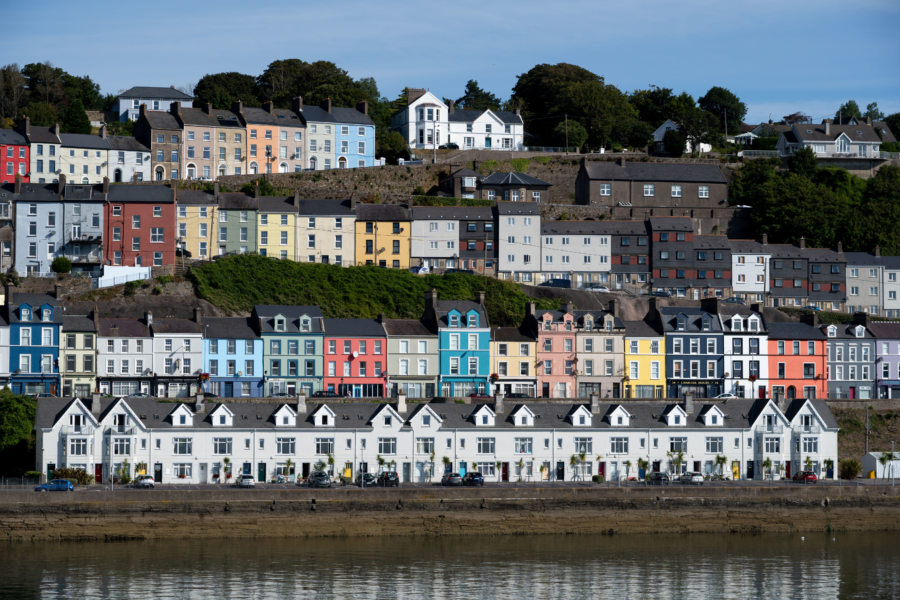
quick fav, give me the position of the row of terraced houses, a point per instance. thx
(713, 350)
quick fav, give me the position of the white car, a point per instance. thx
(246, 481)
(144, 481)
(691, 478)
(596, 288)
(725, 397)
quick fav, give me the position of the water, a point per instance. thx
(522, 567)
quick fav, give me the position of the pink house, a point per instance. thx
(556, 360)
(355, 358)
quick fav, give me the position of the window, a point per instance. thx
(678, 444)
(324, 445)
(649, 189)
(183, 445)
(285, 445)
(222, 445)
(703, 191)
(485, 445)
(387, 446)
(618, 445)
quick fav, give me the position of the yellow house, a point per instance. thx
(277, 227)
(645, 361)
(196, 219)
(383, 235)
(77, 355)
(512, 361)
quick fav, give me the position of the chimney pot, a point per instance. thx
(689, 404)
(95, 405)
(802, 242)
(480, 297)
(297, 104)
(765, 239)
(269, 107)
(877, 251)
(498, 403)
(401, 403)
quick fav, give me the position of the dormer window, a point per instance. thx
(714, 419)
(25, 314)
(45, 315)
(737, 324)
(588, 324)
(472, 321)
(484, 419)
(753, 324)
(182, 419)
(387, 421)
(581, 419)
(280, 324)
(324, 419)
(681, 323)
(454, 320)
(524, 420)
(546, 324)
(706, 323)
(568, 325)
(832, 331)
(609, 324)
(860, 331)
(222, 419)
(304, 324)
(426, 420)
(677, 419)
(285, 420)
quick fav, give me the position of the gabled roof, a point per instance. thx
(382, 212)
(156, 194)
(214, 118)
(351, 116)
(648, 171)
(160, 119)
(671, 224)
(518, 208)
(123, 327)
(444, 307)
(514, 179)
(162, 93)
(640, 329)
(808, 132)
(889, 330)
(510, 334)
(236, 201)
(794, 331)
(819, 408)
(196, 197)
(354, 328)
(77, 323)
(10, 137)
(315, 208)
(407, 327)
(125, 142)
(276, 204)
(168, 326)
(694, 319)
(83, 140)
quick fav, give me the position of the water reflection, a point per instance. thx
(662, 567)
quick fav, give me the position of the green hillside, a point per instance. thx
(236, 283)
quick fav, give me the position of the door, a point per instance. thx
(787, 469)
(261, 472)
(462, 468)
(696, 466)
(305, 470)
(762, 392)
(98, 472)
(735, 470)
(203, 472)
(504, 471)
(487, 142)
(749, 469)
(601, 469)
(246, 469)
(851, 392)
(51, 467)
(618, 281)
(560, 471)
(157, 472)
(229, 389)
(357, 391)
(407, 471)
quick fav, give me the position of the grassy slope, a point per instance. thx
(884, 426)
(236, 283)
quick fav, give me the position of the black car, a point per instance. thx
(325, 394)
(451, 479)
(388, 479)
(517, 395)
(473, 478)
(319, 479)
(658, 479)
(558, 283)
(661, 294)
(449, 146)
(366, 480)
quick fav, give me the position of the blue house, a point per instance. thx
(464, 343)
(354, 137)
(232, 357)
(34, 324)
(694, 350)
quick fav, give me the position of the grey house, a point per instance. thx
(851, 359)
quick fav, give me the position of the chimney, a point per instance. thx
(196, 314)
(840, 247)
(382, 318)
(106, 185)
(861, 318)
(451, 108)
(56, 129)
(296, 198)
(475, 165)
(103, 132)
(216, 191)
(8, 292)
(431, 298)
(401, 403)
(518, 112)
(569, 307)
(877, 251)
(61, 185)
(95, 316)
(148, 318)
(301, 406)
(95, 405)
(26, 127)
(17, 186)
(613, 308)
(688, 405)
(595, 403)
(828, 126)
(802, 243)
(621, 161)
(134, 177)
(269, 107)
(765, 239)
(530, 309)
(479, 296)
(175, 109)
(756, 307)
(297, 104)
(326, 105)
(198, 402)
(498, 403)
(363, 107)
(237, 107)
(710, 305)
(142, 111)
(207, 108)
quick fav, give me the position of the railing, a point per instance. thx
(85, 430)
(888, 155)
(807, 429)
(770, 429)
(758, 153)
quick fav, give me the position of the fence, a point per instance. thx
(109, 281)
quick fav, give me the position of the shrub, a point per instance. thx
(542, 159)
(34, 475)
(520, 164)
(131, 287)
(849, 468)
(164, 279)
(61, 264)
(78, 476)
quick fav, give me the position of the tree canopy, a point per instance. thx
(475, 98)
(74, 119)
(284, 79)
(846, 111)
(724, 106)
(222, 89)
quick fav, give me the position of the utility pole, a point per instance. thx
(867, 429)
(434, 139)
(726, 122)
(567, 132)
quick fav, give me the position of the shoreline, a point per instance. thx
(123, 515)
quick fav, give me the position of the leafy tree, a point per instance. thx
(724, 105)
(12, 91)
(45, 82)
(695, 123)
(222, 89)
(654, 105)
(847, 110)
(673, 142)
(61, 264)
(83, 89)
(872, 112)
(74, 119)
(125, 128)
(577, 134)
(259, 187)
(893, 122)
(17, 414)
(284, 79)
(475, 98)
(803, 162)
(391, 145)
(41, 114)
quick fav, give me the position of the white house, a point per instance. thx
(746, 364)
(129, 160)
(659, 134)
(749, 269)
(578, 250)
(859, 140)
(872, 462)
(435, 233)
(128, 105)
(124, 357)
(177, 355)
(518, 241)
(528, 441)
(423, 120)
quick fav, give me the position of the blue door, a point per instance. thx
(462, 469)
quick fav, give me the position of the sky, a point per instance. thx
(778, 56)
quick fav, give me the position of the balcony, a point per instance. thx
(773, 429)
(77, 430)
(808, 429)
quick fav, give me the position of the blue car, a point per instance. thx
(473, 478)
(55, 485)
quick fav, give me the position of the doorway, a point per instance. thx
(157, 473)
(560, 471)
(504, 471)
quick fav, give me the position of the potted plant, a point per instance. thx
(573, 460)
(720, 464)
(627, 464)
(643, 465)
(288, 466)
(829, 467)
(227, 467)
(767, 467)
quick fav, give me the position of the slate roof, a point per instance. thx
(747, 247)
(712, 241)
(276, 204)
(808, 132)
(463, 306)
(727, 311)
(236, 201)
(260, 116)
(157, 194)
(885, 329)
(881, 128)
(340, 208)
(77, 323)
(195, 197)
(9, 137)
(126, 328)
(820, 407)
(354, 328)
(510, 334)
(407, 327)
(514, 179)
(83, 140)
(468, 116)
(159, 119)
(292, 314)
(165, 326)
(232, 328)
(42, 135)
(573, 228)
(215, 118)
(647, 171)
(694, 319)
(125, 142)
(671, 224)
(382, 212)
(162, 93)
(453, 213)
(640, 329)
(794, 331)
(518, 208)
(867, 259)
(350, 115)
(847, 331)
(37, 192)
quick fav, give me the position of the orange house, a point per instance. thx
(797, 361)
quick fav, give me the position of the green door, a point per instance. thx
(261, 472)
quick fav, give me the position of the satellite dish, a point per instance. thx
(355, 354)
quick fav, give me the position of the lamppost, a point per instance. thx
(268, 162)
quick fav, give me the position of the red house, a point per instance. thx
(14, 157)
(797, 361)
(140, 226)
(355, 357)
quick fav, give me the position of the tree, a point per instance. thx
(720, 463)
(803, 162)
(17, 414)
(673, 142)
(654, 105)
(475, 98)
(724, 106)
(83, 89)
(74, 119)
(575, 138)
(12, 91)
(847, 110)
(872, 112)
(222, 89)
(391, 145)
(893, 122)
(40, 113)
(849, 468)
(61, 264)
(45, 82)
(284, 79)
(886, 458)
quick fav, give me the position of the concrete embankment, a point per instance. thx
(91, 514)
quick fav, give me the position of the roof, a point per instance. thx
(509, 334)
(83, 140)
(518, 208)
(354, 328)
(260, 116)
(267, 313)
(124, 142)
(195, 197)
(651, 171)
(141, 193)
(121, 327)
(671, 224)
(468, 116)
(158, 119)
(175, 326)
(77, 323)
(748, 247)
(9, 137)
(794, 331)
(42, 135)
(870, 260)
(276, 204)
(712, 241)
(808, 132)
(339, 208)
(350, 115)
(162, 93)
(463, 306)
(819, 406)
(882, 129)
(214, 118)
(236, 201)
(382, 212)
(694, 317)
(514, 179)
(234, 328)
(573, 228)
(457, 213)
(407, 327)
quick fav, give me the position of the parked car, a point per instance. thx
(144, 481)
(558, 283)
(658, 479)
(246, 481)
(319, 479)
(805, 477)
(661, 294)
(451, 479)
(595, 288)
(691, 478)
(725, 396)
(517, 395)
(325, 394)
(733, 300)
(463, 271)
(388, 479)
(55, 485)
(811, 307)
(449, 146)
(480, 396)
(473, 478)
(366, 480)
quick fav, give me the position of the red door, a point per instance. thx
(98, 472)
(852, 392)
(504, 471)
(601, 469)
(787, 469)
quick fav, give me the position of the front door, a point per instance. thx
(203, 472)
(851, 392)
(487, 142)
(407, 471)
(51, 467)
(504, 472)
(305, 470)
(261, 472)
(98, 472)
(246, 468)
(787, 469)
(601, 469)
(229, 389)
(749, 469)
(696, 466)
(462, 469)
(735, 470)
(560, 471)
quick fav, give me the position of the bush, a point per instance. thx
(849, 468)
(78, 476)
(131, 287)
(164, 279)
(520, 164)
(61, 264)
(34, 475)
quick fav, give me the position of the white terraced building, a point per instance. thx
(528, 441)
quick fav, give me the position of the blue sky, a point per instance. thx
(778, 56)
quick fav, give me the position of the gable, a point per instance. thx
(181, 416)
(427, 418)
(221, 416)
(580, 417)
(284, 416)
(523, 417)
(386, 418)
(484, 416)
(676, 417)
(323, 416)
(619, 417)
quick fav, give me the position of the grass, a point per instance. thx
(236, 283)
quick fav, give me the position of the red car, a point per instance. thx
(805, 477)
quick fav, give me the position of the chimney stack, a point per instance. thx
(451, 107)
(297, 104)
(95, 405)
(148, 317)
(26, 127)
(237, 107)
(710, 305)
(877, 251)
(175, 109)
(103, 132)
(688, 405)
(595, 403)
(613, 308)
(17, 186)
(61, 185)
(207, 108)
(498, 403)
(198, 402)
(142, 111)
(840, 247)
(569, 307)
(363, 107)
(106, 185)
(196, 314)
(479, 296)
(269, 107)
(56, 129)
(326, 105)
(621, 161)
(765, 239)
(401, 403)
(8, 292)
(802, 243)
(301, 407)
(431, 298)
(828, 126)
(530, 309)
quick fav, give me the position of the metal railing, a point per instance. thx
(78, 430)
